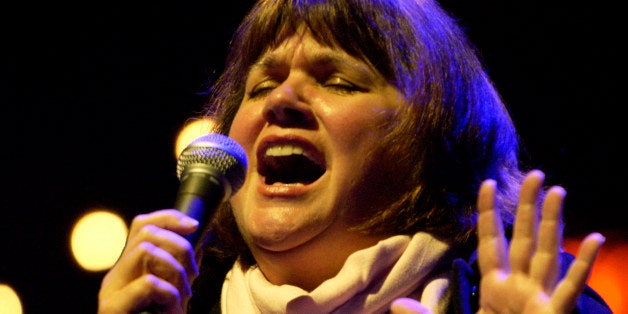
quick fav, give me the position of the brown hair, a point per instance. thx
(454, 133)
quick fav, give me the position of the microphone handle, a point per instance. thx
(199, 195)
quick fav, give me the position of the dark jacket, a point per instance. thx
(465, 279)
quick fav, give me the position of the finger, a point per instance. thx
(149, 257)
(567, 291)
(163, 265)
(146, 292)
(177, 246)
(170, 219)
(408, 306)
(491, 241)
(524, 237)
(545, 260)
(163, 228)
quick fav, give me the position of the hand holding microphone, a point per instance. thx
(155, 267)
(211, 168)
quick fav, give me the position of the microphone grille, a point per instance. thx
(219, 152)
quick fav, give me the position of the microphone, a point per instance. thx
(210, 169)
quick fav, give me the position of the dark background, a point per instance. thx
(93, 96)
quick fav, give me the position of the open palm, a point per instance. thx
(523, 278)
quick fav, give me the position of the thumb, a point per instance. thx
(408, 306)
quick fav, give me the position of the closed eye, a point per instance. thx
(341, 85)
(262, 89)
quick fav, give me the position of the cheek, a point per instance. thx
(238, 130)
(360, 128)
(245, 127)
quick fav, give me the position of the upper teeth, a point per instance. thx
(284, 150)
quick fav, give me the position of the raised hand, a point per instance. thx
(523, 278)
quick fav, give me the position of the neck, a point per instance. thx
(313, 262)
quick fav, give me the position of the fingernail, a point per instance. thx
(189, 221)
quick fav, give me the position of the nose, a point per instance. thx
(284, 107)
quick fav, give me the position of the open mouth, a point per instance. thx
(289, 164)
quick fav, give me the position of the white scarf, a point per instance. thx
(367, 283)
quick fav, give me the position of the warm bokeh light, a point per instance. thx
(9, 301)
(98, 239)
(608, 276)
(192, 130)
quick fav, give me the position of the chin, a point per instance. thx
(282, 240)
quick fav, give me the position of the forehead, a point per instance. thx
(303, 48)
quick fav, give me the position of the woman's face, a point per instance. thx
(310, 117)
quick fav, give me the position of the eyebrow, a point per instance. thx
(319, 59)
(268, 61)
